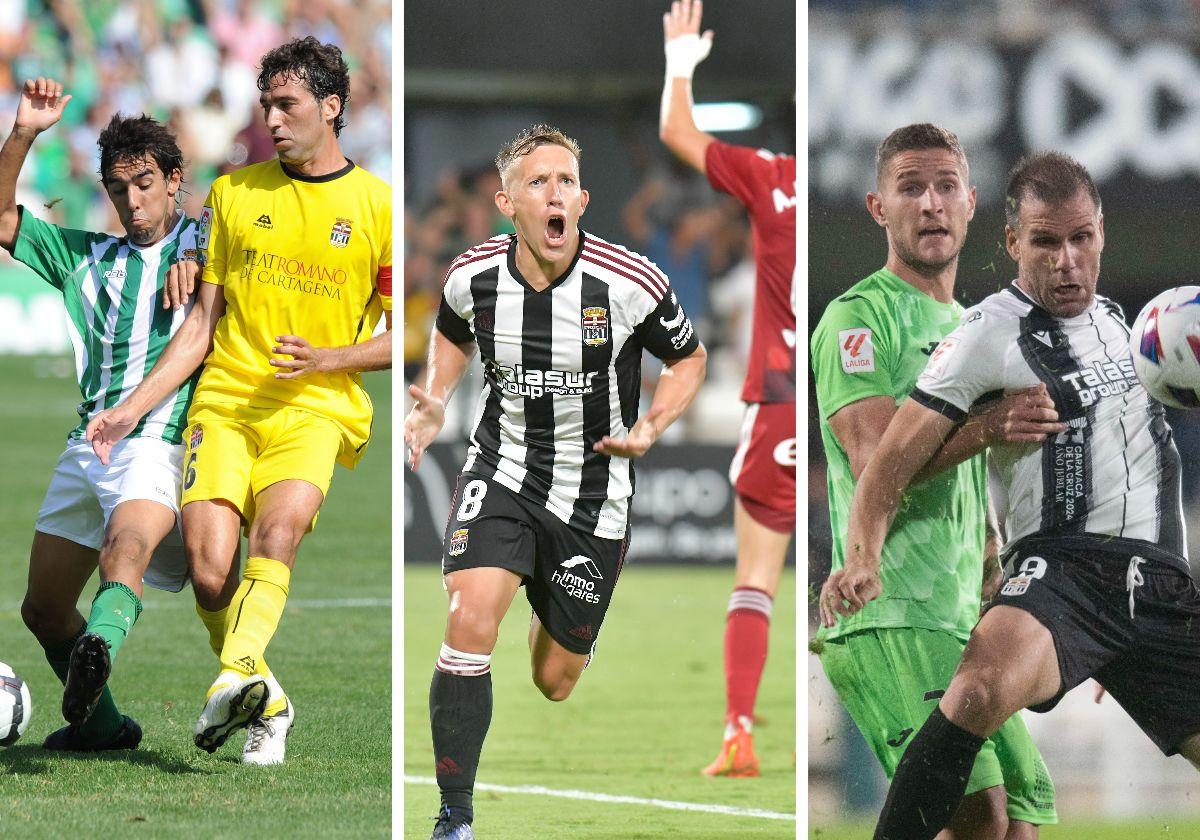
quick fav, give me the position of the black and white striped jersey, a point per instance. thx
(1115, 472)
(562, 369)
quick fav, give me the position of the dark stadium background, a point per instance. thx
(1112, 83)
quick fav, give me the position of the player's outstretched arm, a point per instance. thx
(444, 369)
(685, 48)
(182, 355)
(41, 106)
(1022, 416)
(372, 354)
(677, 386)
(910, 442)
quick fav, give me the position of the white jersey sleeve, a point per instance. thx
(965, 365)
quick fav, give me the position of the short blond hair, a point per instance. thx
(530, 139)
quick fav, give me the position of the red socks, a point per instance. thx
(746, 625)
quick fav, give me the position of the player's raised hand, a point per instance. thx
(42, 104)
(180, 283)
(634, 445)
(305, 360)
(422, 424)
(848, 590)
(107, 428)
(1023, 416)
(685, 47)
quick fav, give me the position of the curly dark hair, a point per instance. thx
(131, 138)
(319, 67)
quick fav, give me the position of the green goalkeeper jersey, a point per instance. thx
(112, 289)
(874, 340)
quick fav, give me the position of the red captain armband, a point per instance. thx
(383, 280)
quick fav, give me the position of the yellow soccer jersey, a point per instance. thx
(310, 257)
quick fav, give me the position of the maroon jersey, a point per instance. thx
(766, 184)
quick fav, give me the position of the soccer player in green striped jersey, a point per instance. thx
(891, 661)
(123, 517)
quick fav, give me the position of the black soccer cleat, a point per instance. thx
(87, 675)
(451, 826)
(68, 739)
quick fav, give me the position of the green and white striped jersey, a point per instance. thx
(112, 289)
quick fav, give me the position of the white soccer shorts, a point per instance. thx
(83, 494)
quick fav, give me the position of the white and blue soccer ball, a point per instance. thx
(16, 707)
(1165, 344)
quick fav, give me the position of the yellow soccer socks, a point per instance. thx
(239, 634)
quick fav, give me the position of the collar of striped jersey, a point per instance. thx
(512, 265)
(316, 179)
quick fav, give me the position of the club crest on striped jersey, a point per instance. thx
(339, 237)
(197, 436)
(458, 542)
(595, 326)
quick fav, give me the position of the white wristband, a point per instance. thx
(684, 52)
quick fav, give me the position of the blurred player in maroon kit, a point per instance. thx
(764, 467)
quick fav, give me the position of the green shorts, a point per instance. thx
(891, 679)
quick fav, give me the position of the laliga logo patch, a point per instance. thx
(595, 326)
(197, 436)
(857, 349)
(206, 217)
(458, 542)
(339, 237)
(940, 355)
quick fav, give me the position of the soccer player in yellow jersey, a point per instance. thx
(298, 272)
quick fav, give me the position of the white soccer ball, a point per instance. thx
(16, 707)
(1165, 344)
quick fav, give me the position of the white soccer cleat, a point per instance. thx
(266, 738)
(231, 707)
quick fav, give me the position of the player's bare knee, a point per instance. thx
(125, 548)
(556, 686)
(973, 702)
(276, 537)
(470, 629)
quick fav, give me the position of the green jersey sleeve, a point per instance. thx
(53, 252)
(853, 354)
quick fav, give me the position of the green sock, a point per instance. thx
(106, 720)
(114, 611)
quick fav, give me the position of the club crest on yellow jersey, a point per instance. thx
(339, 237)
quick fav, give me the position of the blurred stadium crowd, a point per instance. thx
(1016, 21)
(192, 63)
(698, 237)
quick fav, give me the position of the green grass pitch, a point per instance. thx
(1165, 828)
(645, 717)
(334, 662)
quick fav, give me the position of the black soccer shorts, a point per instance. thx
(1134, 626)
(569, 575)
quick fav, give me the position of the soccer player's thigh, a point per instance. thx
(487, 551)
(289, 480)
(890, 680)
(1157, 680)
(763, 473)
(216, 500)
(66, 542)
(138, 491)
(570, 591)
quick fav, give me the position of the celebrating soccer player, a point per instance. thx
(1100, 585)
(560, 318)
(121, 514)
(298, 273)
(764, 467)
(890, 662)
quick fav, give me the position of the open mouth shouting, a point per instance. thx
(935, 233)
(556, 230)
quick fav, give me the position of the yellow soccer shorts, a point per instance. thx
(236, 453)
